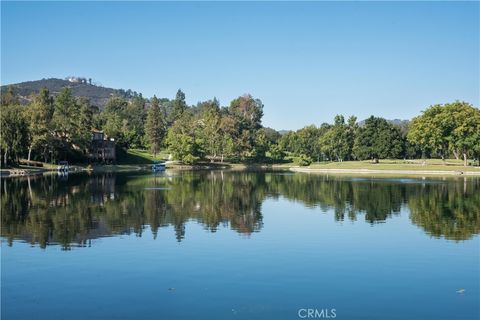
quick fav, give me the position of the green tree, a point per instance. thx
(378, 139)
(335, 142)
(71, 122)
(39, 116)
(466, 127)
(65, 121)
(276, 152)
(452, 127)
(155, 127)
(247, 113)
(430, 131)
(185, 140)
(14, 138)
(179, 105)
(114, 120)
(228, 131)
(136, 116)
(84, 122)
(210, 119)
(261, 146)
(8, 97)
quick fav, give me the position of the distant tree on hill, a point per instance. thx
(9, 97)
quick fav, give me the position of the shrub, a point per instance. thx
(304, 160)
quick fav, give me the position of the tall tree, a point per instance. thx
(179, 105)
(335, 142)
(64, 116)
(378, 139)
(135, 116)
(14, 137)
(211, 128)
(247, 113)
(39, 117)
(84, 122)
(154, 127)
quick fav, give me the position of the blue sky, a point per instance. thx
(306, 61)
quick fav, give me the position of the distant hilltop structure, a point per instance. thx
(73, 79)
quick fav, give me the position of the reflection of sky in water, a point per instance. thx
(301, 258)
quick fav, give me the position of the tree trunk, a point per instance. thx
(29, 153)
(5, 159)
(465, 162)
(455, 154)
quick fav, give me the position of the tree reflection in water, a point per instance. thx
(46, 210)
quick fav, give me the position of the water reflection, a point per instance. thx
(47, 210)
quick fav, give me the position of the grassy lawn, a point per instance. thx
(138, 156)
(397, 164)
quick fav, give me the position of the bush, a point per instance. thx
(276, 153)
(303, 160)
(190, 159)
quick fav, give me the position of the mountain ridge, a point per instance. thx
(80, 87)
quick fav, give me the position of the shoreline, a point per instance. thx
(26, 171)
(387, 171)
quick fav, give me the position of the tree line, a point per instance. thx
(440, 131)
(57, 128)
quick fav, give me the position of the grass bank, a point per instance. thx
(135, 160)
(139, 156)
(392, 166)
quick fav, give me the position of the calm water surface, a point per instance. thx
(225, 245)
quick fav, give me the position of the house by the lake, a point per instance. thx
(102, 148)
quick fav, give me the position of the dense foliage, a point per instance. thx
(450, 128)
(56, 128)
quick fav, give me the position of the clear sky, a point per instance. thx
(306, 61)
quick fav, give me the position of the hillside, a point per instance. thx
(97, 95)
(397, 122)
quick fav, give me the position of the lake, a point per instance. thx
(239, 245)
